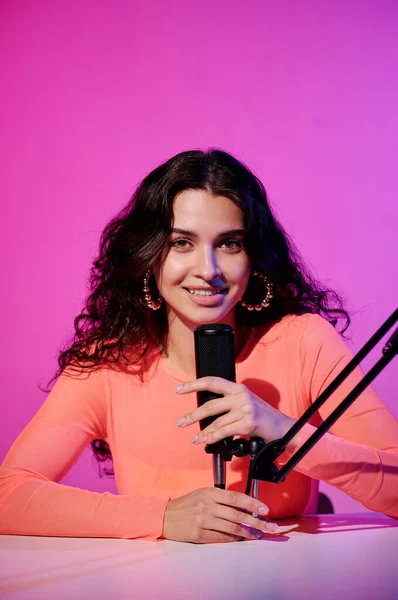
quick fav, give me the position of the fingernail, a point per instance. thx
(179, 388)
(272, 527)
(194, 438)
(263, 510)
(180, 422)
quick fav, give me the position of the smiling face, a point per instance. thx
(205, 268)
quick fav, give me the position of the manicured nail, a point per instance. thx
(263, 510)
(194, 438)
(179, 388)
(272, 527)
(181, 422)
(253, 533)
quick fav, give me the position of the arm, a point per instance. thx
(32, 502)
(360, 454)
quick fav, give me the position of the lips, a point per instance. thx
(206, 292)
(207, 297)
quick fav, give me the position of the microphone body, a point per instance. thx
(215, 357)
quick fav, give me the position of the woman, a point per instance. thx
(197, 244)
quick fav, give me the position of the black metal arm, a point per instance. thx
(262, 465)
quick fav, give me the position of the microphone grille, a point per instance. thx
(214, 351)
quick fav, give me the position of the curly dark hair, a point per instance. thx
(116, 321)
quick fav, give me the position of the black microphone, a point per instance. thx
(215, 357)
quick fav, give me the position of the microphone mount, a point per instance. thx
(263, 456)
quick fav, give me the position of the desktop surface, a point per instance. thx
(322, 556)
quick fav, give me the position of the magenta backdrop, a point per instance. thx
(95, 94)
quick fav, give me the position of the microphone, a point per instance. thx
(215, 357)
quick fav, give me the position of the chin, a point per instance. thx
(207, 316)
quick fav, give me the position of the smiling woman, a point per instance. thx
(197, 244)
(205, 269)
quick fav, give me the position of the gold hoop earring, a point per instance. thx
(266, 301)
(149, 301)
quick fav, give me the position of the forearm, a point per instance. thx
(32, 505)
(367, 474)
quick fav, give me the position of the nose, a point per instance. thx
(207, 265)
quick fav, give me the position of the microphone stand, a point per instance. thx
(263, 455)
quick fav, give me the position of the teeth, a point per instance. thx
(204, 292)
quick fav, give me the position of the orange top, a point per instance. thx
(135, 410)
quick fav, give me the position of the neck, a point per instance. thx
(180, 349)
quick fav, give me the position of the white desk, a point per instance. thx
(326, 556)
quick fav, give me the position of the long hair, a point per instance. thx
(115, 319)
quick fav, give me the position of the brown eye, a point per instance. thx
(234, 245)
(180, 244)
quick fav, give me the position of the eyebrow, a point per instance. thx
(231, 232)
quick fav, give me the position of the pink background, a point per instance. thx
(95, 94)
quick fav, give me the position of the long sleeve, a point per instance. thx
(360, 453)
(32, 502)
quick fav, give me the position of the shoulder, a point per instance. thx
(296, 327)
(318, 333)
(78, 385)
(131, 365)
(307, 335)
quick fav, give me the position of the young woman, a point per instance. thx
(196, 244)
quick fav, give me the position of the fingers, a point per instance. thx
(250, 528)
(239, 501)
(211, 437)
(212, 433)
(214, 515)
(253, 526)
(218, 385)
(216, 537)
(222, 526)
(224, 406)
(208, 409)
(233, 508)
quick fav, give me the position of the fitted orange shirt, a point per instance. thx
(135, 410)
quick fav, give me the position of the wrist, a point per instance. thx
(295, 442)
(285, 425)
(163, 535)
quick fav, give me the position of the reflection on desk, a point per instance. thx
(323, 556)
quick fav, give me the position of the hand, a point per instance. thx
(215, 515)
(246, 413)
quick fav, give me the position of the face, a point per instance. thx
(205, 268)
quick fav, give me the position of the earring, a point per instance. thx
(149, 301)
(265, 302)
